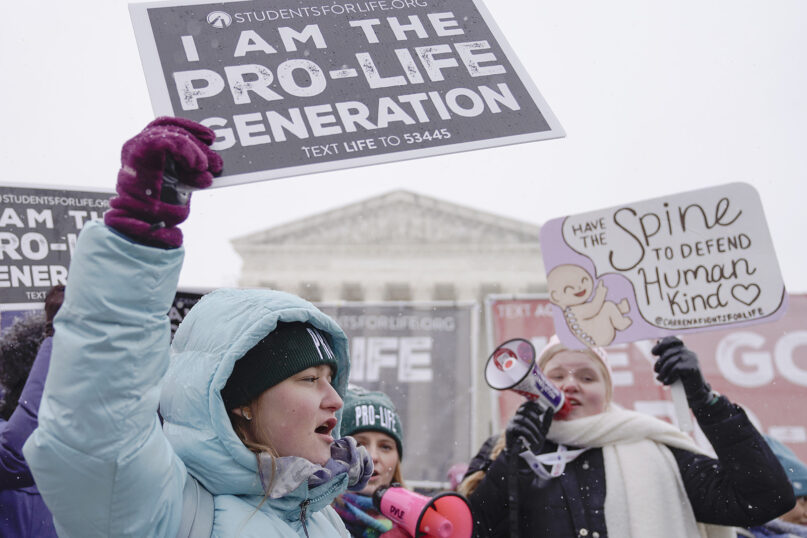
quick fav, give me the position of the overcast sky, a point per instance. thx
(655, 99)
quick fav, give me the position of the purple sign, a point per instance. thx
(687, 262)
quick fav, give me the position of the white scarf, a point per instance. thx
(645, 495)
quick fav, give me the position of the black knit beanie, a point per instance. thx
(290, 348)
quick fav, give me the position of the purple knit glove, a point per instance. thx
(147, 208)
(348, 457)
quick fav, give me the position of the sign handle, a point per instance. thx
(679, 397)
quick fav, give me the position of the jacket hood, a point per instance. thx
(218, 331)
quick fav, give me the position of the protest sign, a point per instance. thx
(422, 356)
(761, 367)
(682, 263)
(292, 89)
(38, 232)
(184, 300)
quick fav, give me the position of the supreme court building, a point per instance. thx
(403, 248)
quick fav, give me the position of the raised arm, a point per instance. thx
(99, 457)
(745, 485)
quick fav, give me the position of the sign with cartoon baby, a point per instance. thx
(687, 262)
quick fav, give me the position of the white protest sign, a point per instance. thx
(686, 262)
(292, 89)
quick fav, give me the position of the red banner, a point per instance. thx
(761, 367)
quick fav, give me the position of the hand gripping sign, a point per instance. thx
(687, 262)
(291, 89)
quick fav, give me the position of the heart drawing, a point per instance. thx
(745, 294)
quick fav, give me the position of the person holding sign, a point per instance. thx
(250, 389)
(606, 471)
(370, 417)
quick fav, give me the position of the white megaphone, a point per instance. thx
(512, 366)
(446, 515)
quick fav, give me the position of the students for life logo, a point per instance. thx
(219, 19)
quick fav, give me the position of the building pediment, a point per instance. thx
(396, 218)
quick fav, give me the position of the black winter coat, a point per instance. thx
(745, 486)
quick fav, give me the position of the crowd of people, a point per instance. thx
(244, 424)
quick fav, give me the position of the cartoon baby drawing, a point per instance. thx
(595, 322)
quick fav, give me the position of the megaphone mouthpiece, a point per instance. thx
(564, 410)
(434, 524)
(504, 359)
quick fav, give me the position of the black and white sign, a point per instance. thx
(38, 231)
(421, 355)
(184, 300)
(292, 89)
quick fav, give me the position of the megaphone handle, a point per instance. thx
(681, 406)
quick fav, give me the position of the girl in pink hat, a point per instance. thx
(602, 470)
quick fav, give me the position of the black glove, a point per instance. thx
(527, 429)
(675, 362)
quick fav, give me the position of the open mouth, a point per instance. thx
(326, 427)
(580, 293)
(574, 402)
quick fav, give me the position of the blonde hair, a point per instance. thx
(246, 430)
(397, 475)
(471, 482)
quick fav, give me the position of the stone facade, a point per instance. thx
(399, 246)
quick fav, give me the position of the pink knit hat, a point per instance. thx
(554, 346)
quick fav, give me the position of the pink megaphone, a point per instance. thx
(445, 516)
(512, 366)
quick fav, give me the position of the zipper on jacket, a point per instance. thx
(303, 510)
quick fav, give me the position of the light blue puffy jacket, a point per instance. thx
(102, 462)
